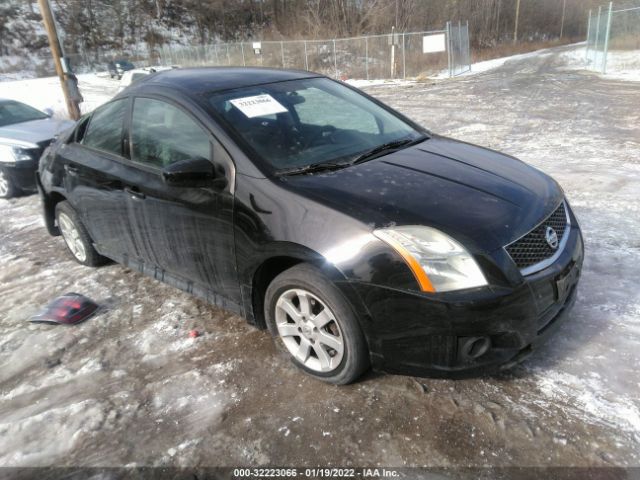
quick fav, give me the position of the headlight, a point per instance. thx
(12, 154)
(439, 263)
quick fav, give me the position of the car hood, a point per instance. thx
(480, 197)
(35, 132)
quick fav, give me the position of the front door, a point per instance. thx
(95, 179)
(185, 233)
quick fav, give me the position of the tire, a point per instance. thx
(76, 237)
(7, 187)
(325, 340)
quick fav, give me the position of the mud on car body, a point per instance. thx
(354, 235)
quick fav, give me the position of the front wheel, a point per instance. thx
(7, 187)
(316, 325)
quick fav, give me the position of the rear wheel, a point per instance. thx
(76, 236)
(7, 188)
(316, 325)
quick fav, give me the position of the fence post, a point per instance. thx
(244, 63)
(282, 52)
(404, 59)
(460, 38)
(393, 52)
(306, 61)
(448, 33)
(606, 39)
(366, 55)
(459, 32)
(335, 58)
(586, 50)
(595, 48)
(228, 57)
(468, 49)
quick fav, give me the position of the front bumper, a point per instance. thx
(22, 174)
(417, 334)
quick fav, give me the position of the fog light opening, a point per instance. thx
(474, 347)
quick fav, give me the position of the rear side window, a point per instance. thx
(104, 131)
(162, 134)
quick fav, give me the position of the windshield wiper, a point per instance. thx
(369, 155)
(387, 148)
(312, 168)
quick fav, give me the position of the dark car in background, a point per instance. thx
(353, 234)
(117, 68)
(24, 134)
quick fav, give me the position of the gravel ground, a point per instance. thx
(129, 387)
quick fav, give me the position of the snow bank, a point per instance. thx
(621, 64)
(46, 92)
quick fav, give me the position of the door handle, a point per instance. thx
(134, 192)
(71, 169)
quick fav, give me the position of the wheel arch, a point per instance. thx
(50, 201)
(286, 257)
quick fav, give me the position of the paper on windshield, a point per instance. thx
(258, 105)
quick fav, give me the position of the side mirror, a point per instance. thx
(48, 112)
(197, 172)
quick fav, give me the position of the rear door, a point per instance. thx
(95, 174)
(183, 232)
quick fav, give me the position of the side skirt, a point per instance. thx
(188, 286)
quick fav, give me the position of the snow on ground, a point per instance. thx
(360, 83)
(621, 64)
(129, 387)
(478, 67)
(486, 65)
(47, 93)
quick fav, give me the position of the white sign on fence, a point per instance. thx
(433, 43)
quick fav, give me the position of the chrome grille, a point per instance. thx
(533, 247)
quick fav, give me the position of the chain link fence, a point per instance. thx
(389, 56)
(611, 28)
(458, 47)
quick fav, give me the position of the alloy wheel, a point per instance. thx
(309, 330)
(72, 237)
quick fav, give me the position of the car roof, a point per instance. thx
(216, 79)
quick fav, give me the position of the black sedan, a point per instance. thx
(357, 237)
(24, 133)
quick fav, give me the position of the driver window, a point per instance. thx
(162, 134)
(321, 108)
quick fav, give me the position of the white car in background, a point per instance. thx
(132, 76)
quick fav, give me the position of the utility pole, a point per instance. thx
(564, 6)
(56, 51)
(515, 30)
(396, 13)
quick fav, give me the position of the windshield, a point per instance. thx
(15, 112)
(297, 123)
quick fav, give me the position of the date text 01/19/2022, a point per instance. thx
(314, 473)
